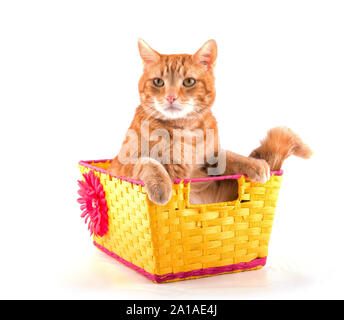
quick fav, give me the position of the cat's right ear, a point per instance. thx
(148, 55)
(207, 54)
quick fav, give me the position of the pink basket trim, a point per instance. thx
(184, 275)
(87, 163)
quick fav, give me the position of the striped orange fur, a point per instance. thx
(169, 102)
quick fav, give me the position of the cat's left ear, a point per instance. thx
(147, 54)
(207, 54)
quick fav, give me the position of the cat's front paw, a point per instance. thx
(258, 170)
(159, 192)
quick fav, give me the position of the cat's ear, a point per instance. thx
(207, 54)
(147, 54)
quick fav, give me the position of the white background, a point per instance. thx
(68, 91)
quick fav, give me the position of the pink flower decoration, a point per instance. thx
(93, 204)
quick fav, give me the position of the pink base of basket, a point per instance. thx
(260, 262)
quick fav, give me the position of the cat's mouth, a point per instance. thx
(173, 108)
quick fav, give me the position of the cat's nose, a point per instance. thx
(171, 98)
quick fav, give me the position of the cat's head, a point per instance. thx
(178, 85)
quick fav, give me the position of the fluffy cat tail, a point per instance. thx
(278, 145)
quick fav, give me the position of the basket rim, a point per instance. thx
(87, 163)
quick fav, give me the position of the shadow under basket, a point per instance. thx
(179, 241)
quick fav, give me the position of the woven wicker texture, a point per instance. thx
(179, 237)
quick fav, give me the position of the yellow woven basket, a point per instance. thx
(179, 241)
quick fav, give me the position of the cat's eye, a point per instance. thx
(158, 82)
(189, 82)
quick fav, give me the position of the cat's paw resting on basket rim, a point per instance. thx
(258, 170)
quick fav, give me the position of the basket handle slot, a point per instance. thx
(239, 185)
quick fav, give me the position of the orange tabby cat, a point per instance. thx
(174, 134)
